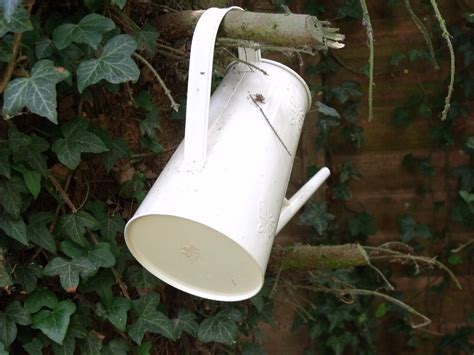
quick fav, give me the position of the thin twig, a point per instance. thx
(58, 207)
(430, 261)
(461, 247)
(174, 105)
(370, 42)
(424, 32)
(447, 37)
(361, 292)
(268, 121)
(272, 292)
(12, 63)
(118, 279)
(63, 193)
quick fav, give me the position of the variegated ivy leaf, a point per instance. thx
(114, 65)
(17, 22)
(89, 31)
(37, 92)
(8, 7)
(221, 328)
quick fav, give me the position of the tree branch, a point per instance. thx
(287, 30)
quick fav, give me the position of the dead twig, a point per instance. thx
(174, 105)
(269, 123)
(64, 194)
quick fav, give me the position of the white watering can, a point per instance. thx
(207, 225)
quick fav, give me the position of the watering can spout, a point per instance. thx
(293, 205)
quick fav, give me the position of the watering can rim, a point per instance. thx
(162, 275)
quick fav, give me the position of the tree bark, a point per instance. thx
(285, 30)
(308, 257)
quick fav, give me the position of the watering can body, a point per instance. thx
(208, 223)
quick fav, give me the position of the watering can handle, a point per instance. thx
(199, 85)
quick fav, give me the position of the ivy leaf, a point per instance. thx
(88, 31)
(8, 330)
(38, 232)
(470, 142)
(144, 100)
(74, 226)
(28, 148)
(145, 348)
(18, 21)
(350, 9)
(5, 51)
(421, 165)
(77, 139)
(116, 347)
(410, 229)
(150, 124)
(101, 255)
(44, 48)
(101, 283)
(14, 227)
(109, 225)
(27, 276)
(69, 271)
(8, 7)
(5, 165)
(117, 313)
(17, 314)
(315, 215)
(94, 5)
(139, 277)
(39, 298)
(149, 319)
(326, 110)
(54, 323)
(185, 321)
(118, 149)
(37, 92)
(221, 328)
(14, 314)
(35, 346)
(345, 91)
(67, 347)
(151, 144)
(32, 181)
(91, 345)
(10, 195)
(115, 64)
(362, 224)
(146, 39)
(119, 3)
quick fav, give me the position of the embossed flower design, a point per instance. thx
(190, 252)
(297, 113)
(267, 222)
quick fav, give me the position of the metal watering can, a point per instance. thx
(207, 225)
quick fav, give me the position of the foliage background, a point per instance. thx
(74, 172)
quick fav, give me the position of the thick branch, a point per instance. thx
(307, 257)
(288, 30)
